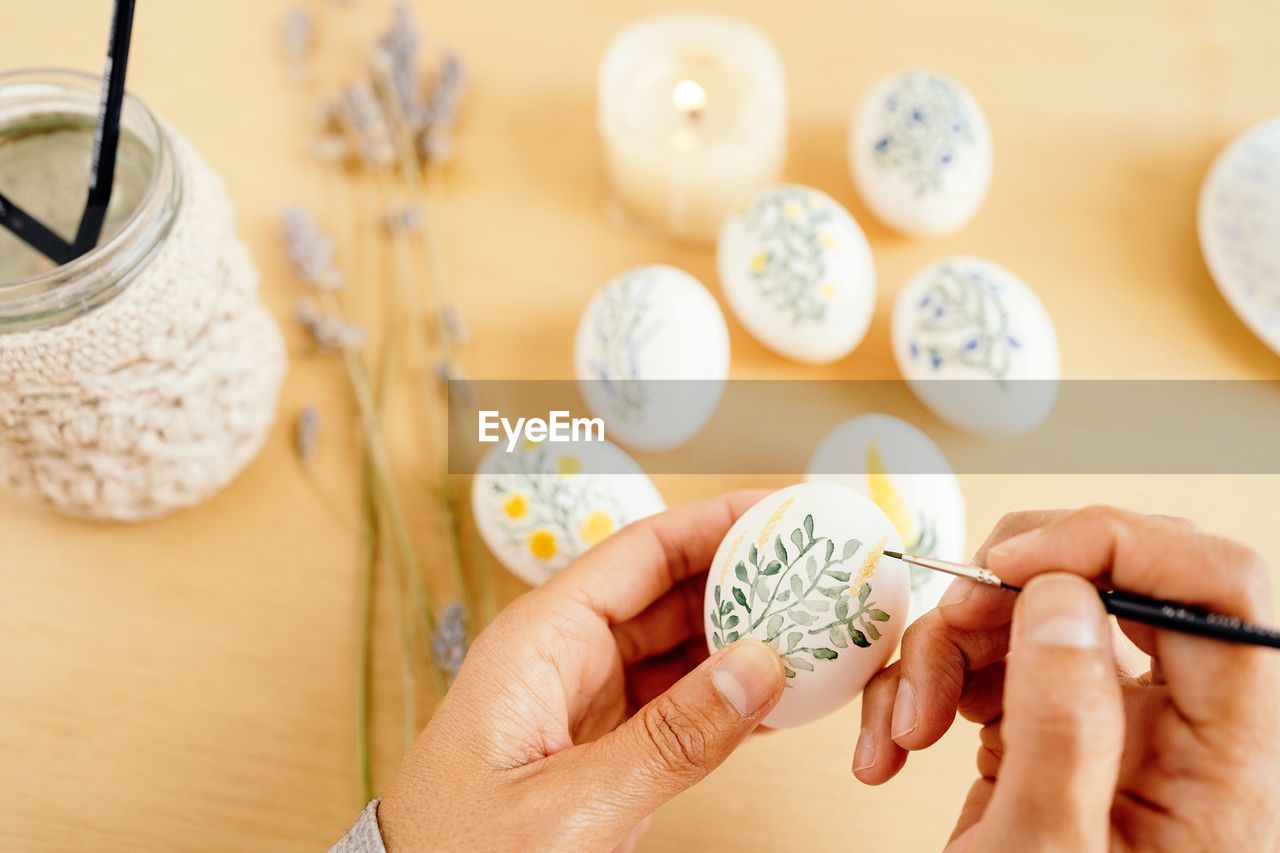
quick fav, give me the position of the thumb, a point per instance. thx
(1063, 724)
(683, 734)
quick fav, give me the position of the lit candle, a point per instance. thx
(692, 111)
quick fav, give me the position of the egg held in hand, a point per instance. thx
(804, 571)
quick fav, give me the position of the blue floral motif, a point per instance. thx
(962, 320)
(927, 128)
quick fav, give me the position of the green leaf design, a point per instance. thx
(740, 597)
(864, 593)
(732, 621)
(798, 538)
(797, 662)
(774, 626)
(715, 618)
(733, 636)
(741, 571)
(784, 596)
(715, 638)
(836, 575)
(842, 608)
(780, 549)
(754, 555)
(791, 673)
(811, 567)
(761, 589)
(825, 654)
(808, 525)
(800, 617)
(850, 548)
(797, 586)
(859, 639)
(832, 592)
(726, 607)
(793, 640)
(837, 637)
(717, 594)
(878, 615)
(872, 631)
(773, 568)
(831, 549)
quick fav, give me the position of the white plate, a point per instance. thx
(1239, 222)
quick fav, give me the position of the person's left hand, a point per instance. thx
(588, 702)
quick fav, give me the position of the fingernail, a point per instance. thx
(1061, 611)
(905, 717)
(747, 675)
(864, 754)
(1011, 546)
(958, 592)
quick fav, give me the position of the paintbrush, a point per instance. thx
(1155, 612)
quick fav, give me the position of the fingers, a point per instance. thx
(663, 625)
(630, 570)
(876, 758)
(1062, 731)
(654, 676)
(675, 740)
(1164, 558)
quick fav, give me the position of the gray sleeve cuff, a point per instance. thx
(364, 836)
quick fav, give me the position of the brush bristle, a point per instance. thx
(897, 555)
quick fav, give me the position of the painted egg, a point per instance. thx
(921, 153)
(970, 319)
(804, 571)
(541, 505)
(652, 323)
(904, 472)
(798, 273)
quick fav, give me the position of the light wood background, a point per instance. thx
(188, 683)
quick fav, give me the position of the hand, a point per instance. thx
(539, 744)
(1077, 751)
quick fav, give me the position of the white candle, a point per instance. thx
(692, 111)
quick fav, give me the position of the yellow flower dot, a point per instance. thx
(791, 210)
(758, 261)
(597, 527)
(567, 466)
(516, 506)
(828, 290)
(543, 544)
(827, 241)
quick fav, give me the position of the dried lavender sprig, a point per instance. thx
(306, 431)
(310, 249)
(330, 332)
(454, 324)
(457, 384)
(403, 219)
(435, 139)
(449, 642)
(363, 119)
(400, 47)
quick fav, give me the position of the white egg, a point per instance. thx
(798, 273)
(920, 153)
(904, 472)
(652, 323)
(804, 571)
(969, 319)
(541, 505)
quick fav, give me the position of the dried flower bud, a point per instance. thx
(310, 249)
(330, 148)
(457, 384)
(305, 432)
(403, 219)
(399, 52)
(441, 110)
(329, 332)
(449, 639)
(366, 123)
(297, 35)
(453, 324)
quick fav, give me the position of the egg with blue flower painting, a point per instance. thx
(651, 357)
(977, 346)
(920, 152)
(804, 571)
(538, 506)
(798, 273)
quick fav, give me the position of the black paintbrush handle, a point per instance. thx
(1186, 619)
(34, 233)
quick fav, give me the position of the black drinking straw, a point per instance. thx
(33, 232)
(106, 136)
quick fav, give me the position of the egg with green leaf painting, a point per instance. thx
(804, 571)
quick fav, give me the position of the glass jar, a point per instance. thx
(143, 375)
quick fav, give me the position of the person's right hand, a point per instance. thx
(1077, 753)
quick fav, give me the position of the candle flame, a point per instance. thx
(689, 97)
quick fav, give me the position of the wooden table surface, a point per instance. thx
(189, 683)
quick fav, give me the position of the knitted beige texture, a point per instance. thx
(156, 399)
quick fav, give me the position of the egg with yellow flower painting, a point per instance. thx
(909, 478)
(804, 571)
(798, 273)
(539, 505)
